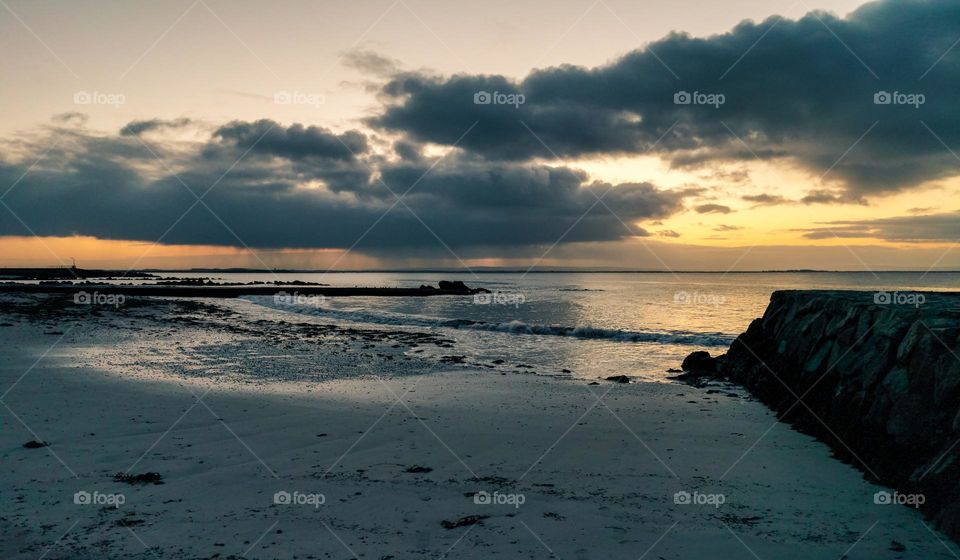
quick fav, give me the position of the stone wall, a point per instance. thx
(877, 377)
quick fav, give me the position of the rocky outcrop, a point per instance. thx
(876, 376)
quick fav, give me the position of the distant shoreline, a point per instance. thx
(65, 273)
(524, 271)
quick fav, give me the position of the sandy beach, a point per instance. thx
(398, 459)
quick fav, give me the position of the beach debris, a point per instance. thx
(34, 444)
(731, 519)
(143, 478)
(418, 469)
(463, 521)
(619, 378)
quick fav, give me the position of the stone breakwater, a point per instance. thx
(874, 375)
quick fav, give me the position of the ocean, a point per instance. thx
(581, 324)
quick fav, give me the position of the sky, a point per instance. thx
(689, 135)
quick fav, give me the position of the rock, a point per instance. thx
(455, 286)
(463, 521)
(619, 378)
(418, 469)
(699, 362)
(145, 478)
(33, 444)
(879, 380)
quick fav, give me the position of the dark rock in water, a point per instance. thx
(877, 379)
(459, 287)
(35, 444)
(699, 362)
(463, 521)
(426, 287)
(593, 383)
(619, 378)
(897, 546)
(145, 478)
(418, 469)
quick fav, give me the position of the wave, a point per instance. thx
(586, 331)
(511, 327)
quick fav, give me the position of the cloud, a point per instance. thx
(713, 209)
(765, 199)
(135, 128)
(800, 91)
(371, 62)
(821, 196)
(724, 227)
(929, 228)
(268, 185)
(70, 118)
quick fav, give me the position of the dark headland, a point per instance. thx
(209, 288)
(876, 375)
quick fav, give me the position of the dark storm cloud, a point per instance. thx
(912, 229)
(295, 142)
(804, 90)
(295, 188)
